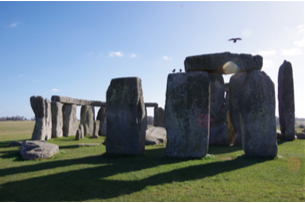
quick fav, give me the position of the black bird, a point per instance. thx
(174, 70)
(234, 39)
(180, 70)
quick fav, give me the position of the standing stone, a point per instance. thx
(43, 125)
(104, 128)
(78, 134)
(257, 115)
(230, 128)
(186, 116)
(235, 88)
(125, 117)
(82, 131)
(159, 117)
(87, 119)
(286, 101)
(96, 129)
(218, 128)
(101, 117)
(57, 122)
(69, 119)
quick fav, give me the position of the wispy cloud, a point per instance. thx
(299, 43)
(116, 54)
(133, 55)
(55, 90)
(291, 52)
(166, 58)
(12, 25)
(267, 53)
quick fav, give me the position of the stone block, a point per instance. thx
(69, 120)
(101, 117)
(286, 101)
(125, 117)
(57, 119)
(87, 119)
(186, 115)
(37, 149)
(159, 117)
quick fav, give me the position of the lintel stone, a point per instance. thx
(79, 102)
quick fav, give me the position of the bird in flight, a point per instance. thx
(234, 39)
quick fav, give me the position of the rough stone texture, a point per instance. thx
(87, 119)
(159, 117)
(223, 63)
(186, 116)
(82, 131)
(104, 128)
(101, 117)
(155, 135)
(78, 134)
(79, 102)
(235, 88)
(43, 118)
(69, 119)
(230, 128)
(257, 115)
(57, 122)
(125, 117)
(96, 129)
(286, 101)
(37, 149)
(218, 127)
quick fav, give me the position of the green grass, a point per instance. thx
(89, 174)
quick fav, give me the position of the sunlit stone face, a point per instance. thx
(230, 67)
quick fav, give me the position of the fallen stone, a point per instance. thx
(155, 135)
(257, 117)
(15, 143)
(57, 119)
(125, 117)
(286, 101)
(223, 63)
(186, 116)
(79, 102)
(87, 119)
(69, 120)
(37, 149)
(300, 135)
(218, 128)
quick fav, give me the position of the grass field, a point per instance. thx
(89, 174)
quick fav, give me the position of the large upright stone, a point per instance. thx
(101, 117)
(159, 117)
(43, 125)
(223, 63)
(87, 119)
(125, 117)
(69, 119)
(257, 115)
(218, 128)
(286, 101)
(235, 93)
(186, 116)
(57, 122)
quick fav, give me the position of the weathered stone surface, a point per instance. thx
(218, 128)
(37, 149)
(286, 101)
(186, 116)
(155, 135)
(43, 118)
(257, 115)
(87, 119)
(78, 134)
(69, 119)
(82, 131)
(230, 128)
(57, 122)
(159, 117)
(15, 143)
(223, 63)
(104, 128)
(101, 116)
(96, 129)
(235, 88)
(125, 117)
(78, 102)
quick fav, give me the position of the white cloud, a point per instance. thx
(116, 53)
(291, 52)
(14, 24)
(299, 43)
(55, 90)
(267, 53)
(133, 55)
(268, 64)
(166, 58)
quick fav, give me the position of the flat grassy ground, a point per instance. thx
(89, 174)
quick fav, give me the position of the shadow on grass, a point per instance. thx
(97, 183)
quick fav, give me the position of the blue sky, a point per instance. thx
(74, 49)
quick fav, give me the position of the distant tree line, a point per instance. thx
(14, 118)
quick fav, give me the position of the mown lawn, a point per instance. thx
(89, 174)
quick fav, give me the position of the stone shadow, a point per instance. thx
(97, 183)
